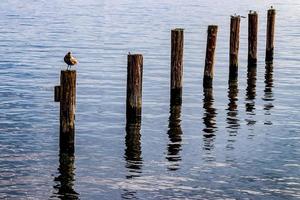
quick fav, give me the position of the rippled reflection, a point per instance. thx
(209, 119)
(133, 150)
(174, 133)
(268, 93)
(127, 194)
(65, 179)
(232, 114)
(250, 95)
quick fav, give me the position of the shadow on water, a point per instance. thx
(133, 150)
(232, 114)
(174, 133)
(65, 180)
(268, 93)
(209, 121)
(250, 95)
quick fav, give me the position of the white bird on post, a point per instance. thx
(70, 60)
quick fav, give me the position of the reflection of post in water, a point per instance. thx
(133, 149)
(268, 93)
(232, 119)
(174, 132)
(251, 93)
(127, 194)
(208, 118)
(65, 178)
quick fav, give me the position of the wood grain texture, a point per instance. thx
(177, 40)
(67, 110)
(252, 38)
(134, 88)
(210, 56)
(234, 46)
(57, 93)
(270, 35)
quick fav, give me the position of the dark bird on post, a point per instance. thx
(70, 60)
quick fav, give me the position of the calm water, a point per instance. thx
(237, 142)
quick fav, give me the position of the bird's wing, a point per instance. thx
(73, 61)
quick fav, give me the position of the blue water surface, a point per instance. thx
(239, 142)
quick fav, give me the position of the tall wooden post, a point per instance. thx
(134, 88)
(234, 46)
(67, 110)
(270, 35)
(210, 56)
(252, 38)
(177, 39)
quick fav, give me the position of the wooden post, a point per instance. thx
(270, 35)
(210, 55)
(57, 93)
(134, 88)
(252, 38)
(177, 39)
(234, 46)
(67, 110)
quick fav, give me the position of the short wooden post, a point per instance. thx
(210, 55)
(252, 38)
(67, 110)
(270, 35)
(134, 88)
(234, 46)
(57, 93)
(177, 38)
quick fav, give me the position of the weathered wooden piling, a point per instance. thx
(177, 39)
(252, 38)
(66, 95)
(134, 88)
(57, 93)
(234, 46)
(210, 56)
(270, 35)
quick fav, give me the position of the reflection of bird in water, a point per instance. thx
(70, 60)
